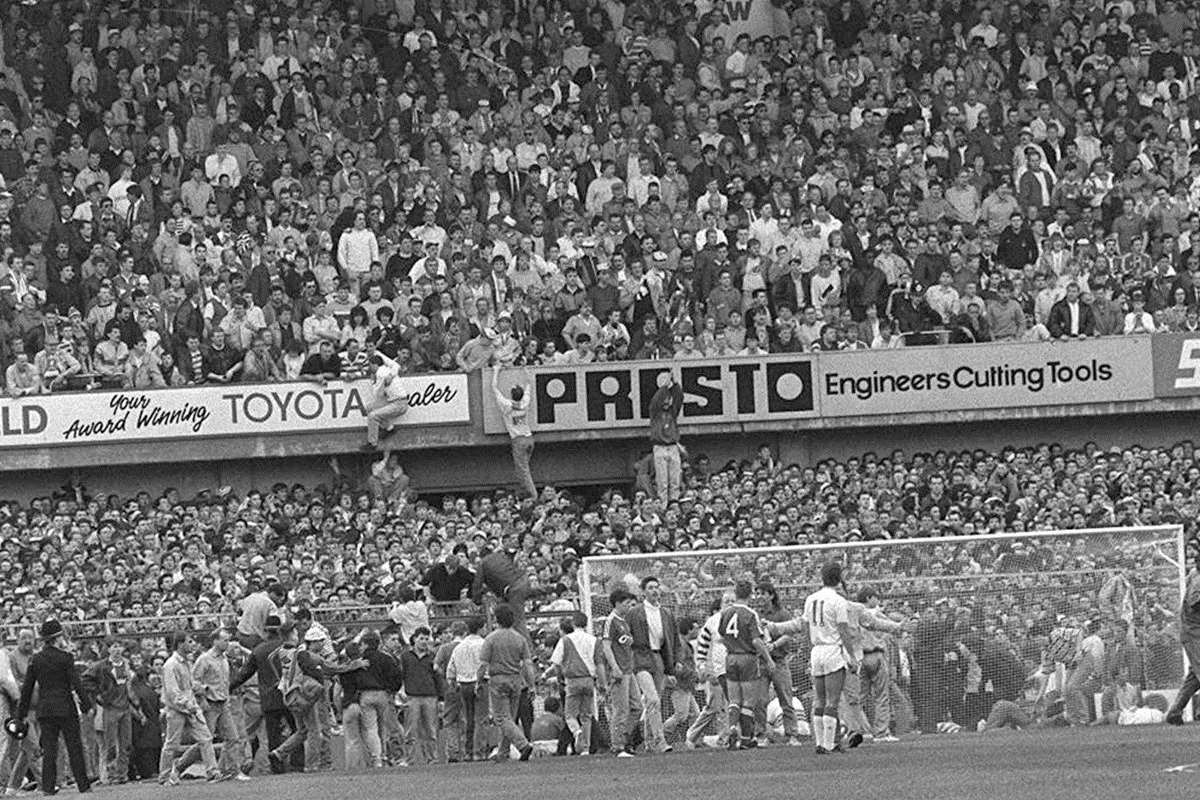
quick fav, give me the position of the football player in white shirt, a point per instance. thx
(827, 614)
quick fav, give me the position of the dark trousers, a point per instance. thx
(525, 713)
(1191, 682)
(275, 720)
(515, 597)
(68, 727)
(475, 713)
(249, 640)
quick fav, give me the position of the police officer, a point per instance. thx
(52, 672)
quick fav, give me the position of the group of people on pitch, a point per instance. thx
(738, 657)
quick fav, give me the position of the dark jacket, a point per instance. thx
(147, 731)
(382, 673)
(496, 573)
(639, 629)
(260, 663)
(101, 682)
(52, 672)
(664, 414)
(420, 678)
(1059, 322)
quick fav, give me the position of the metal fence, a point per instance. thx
(332, 617)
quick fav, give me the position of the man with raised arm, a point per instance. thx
(515, 413)
(664, 436)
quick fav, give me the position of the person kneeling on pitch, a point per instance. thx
(52, 672)
(389, 400)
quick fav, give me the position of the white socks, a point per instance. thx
(825, 731)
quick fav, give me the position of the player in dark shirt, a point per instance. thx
(747, 662)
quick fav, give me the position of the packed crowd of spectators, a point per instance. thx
(89, 555)
(196, 193)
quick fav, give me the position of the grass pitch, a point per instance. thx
(1080, 764)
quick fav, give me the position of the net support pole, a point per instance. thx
(585, 592)
(1181, 554)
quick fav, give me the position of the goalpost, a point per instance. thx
(988, 612)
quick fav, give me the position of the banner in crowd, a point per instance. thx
(1176, 364)
(969, 377)
(618, 394)
(755, 17)
(219, 410)
(843, 384)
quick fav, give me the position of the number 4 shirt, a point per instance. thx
(740, 627)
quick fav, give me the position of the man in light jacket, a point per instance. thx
(357, 250)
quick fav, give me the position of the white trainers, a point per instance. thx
(886, 739)
(241, 776)
(625, 754)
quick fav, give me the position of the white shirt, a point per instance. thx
(824, 609)
(387, 380)
(223, 163)
(8, 681)
(464, 661)
(1074, 309)
(357, 249)
(1138, 323)
(515, 415)
(654, 625)
(585, 645)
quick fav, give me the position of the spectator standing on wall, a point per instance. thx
(514, 411)
(664, 435)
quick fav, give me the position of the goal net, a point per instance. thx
(1064, 625)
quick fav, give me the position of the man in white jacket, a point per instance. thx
(357, 250)
(390, 399)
